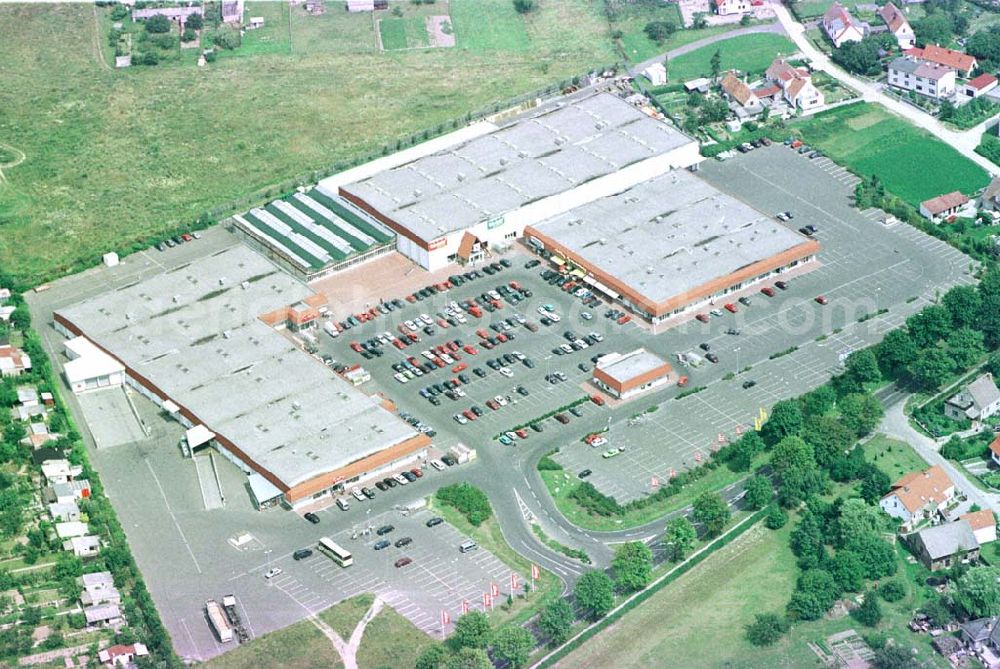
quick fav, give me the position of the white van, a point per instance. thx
(467, 545)
(343, 504)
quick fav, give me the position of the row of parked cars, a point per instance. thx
(177, 240)
(570, 285)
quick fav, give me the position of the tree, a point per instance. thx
(524, 6)
(472, 630)
(556, 621)
(814, 594)
(595, 594)
(932, 366)
(227, 37)
(978, 592)
(633, 566)
(158, 23)
(859, 57)
(817, 402)
(469, 658)
(989, 320)
(194, 22)
(896, 352)
(847, 570)
(869, 613)
(659, 31)
(929, 325)
(792, 454)
(963, 304)
(892, 657)
(876, 554)
(766, 629)
(679, 537)
(858, 519)
(431, 657)
(715, 64)
(467, 499)
(892, 591)
(861, 412)
(806, 541)
(947, 110)
(786, 419)
(874, 484)
(965, 346)
(759, 492)
(513, 644)
(829, 437)
(862, 366)
(712, 512)
(933, 29)
(775, 518)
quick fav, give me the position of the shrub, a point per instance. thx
(468, 500)
(594, 501)
(892, 591)
(775, 518)
(158, 24)
(524, 6)
(766, 629)
(547, 464)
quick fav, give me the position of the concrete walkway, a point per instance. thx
(964, 142)
(896, 425)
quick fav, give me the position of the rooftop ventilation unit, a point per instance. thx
(176, 299)
(296, 406)
(460, 176)
(222, 281)
(417, 192)
(227, 334)
(245, 285)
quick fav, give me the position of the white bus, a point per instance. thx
(335, 552)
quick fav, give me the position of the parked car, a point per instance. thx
(385, 529)
(311, 517)
(272, 572)
(402, 562)
(432, 522)
(585, 473)
(381, 545)
(302, 554)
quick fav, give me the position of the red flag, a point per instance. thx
(536, 572)
(697, 456)
(487, 601)
(672, 473)
(465, 606)
(445, 618)
(739, 430)
(655, 482)
(513, 582)
(494, 590)
(722, 438)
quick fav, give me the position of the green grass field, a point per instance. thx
(748, 53)
(893, 457)
(116, 157)
(812, 8)
(404, 33)
(487, 25)
(912, 163)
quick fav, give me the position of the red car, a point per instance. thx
(482, 334)
(702, 317)
(412, 337)
(402, 562)
(731, 308)
(470, 349)
(455, 355)
(488, 346)
(597, 399)
(398, 344)
(356, 346)
(497, 304)
(492, 404)
(767, 290)
(461, 367)
(442, 323)
(821, 299)
(683, 381)
(186, 237)
(417, 472)
(411, 298)
(501, 337)
(439, 362)
(468, 414)
(522, 433)
(624, 319)
(452, 346)
(515, 285)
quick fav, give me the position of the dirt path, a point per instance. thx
(97, 42)
(348, 650)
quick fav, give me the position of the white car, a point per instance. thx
(426, 319)
(554, 317)
(358, 495)
(411, 326)
(437, 464)
(272, 572)
(566, 348)
(598, 337)
(517, 354)
(511, 436)
(542, 310)
(427, 354)
(461, 319)
(501, 400)
(402, 480)
(447, 358)
(520, 319)
(581, 343)
(399, 376)
(494, 294)
(586, 315)
(506, 372)
(458, 392)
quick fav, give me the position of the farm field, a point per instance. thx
(814, 8)
(485, 25)
(403, 33)
(751, 53)
(114, 158)
(912, 164)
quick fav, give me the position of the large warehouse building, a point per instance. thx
(488, 186)
(670, 245)
(192, 341)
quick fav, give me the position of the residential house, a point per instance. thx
(99, 588)
(943, 546)
(918, 496)
(46, 453)
(65, 512)
(900, 28)
(991, 196)
(60, 471)
(962, 63)
(232, 11)
(982, 637)
(176, 14)
(39, 435)
(700, 85)
(944, 206)
(85, 546)
(70, 491)
(928, 79)
(656, 73)
(983, 524)
(105, 615)
(13, 361)
(732, 7)
(741, 99)
(27, 396)
(796, 85)
(365, 5)
(70, 529)
(977, 401)
(841, 27)
(6, 312)
(121, 655)
(979, 86)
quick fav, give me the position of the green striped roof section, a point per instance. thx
(349, 216)
(329, 225)
(313, 261)
(334, 252)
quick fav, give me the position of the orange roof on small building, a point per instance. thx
(892, 17)
(947, 57)
(942, 203)
(736, 89)
(916, 489)
(995, 445)
(465, 246)
(982, 81)
(980, 519)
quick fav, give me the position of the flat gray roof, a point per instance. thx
(194, 332)
(668, 235)
(629, 365)
(549, 151)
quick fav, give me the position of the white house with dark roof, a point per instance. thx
(977, 401)
(925, 78)
(796, 85)
(841, 27)
(900, 28)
